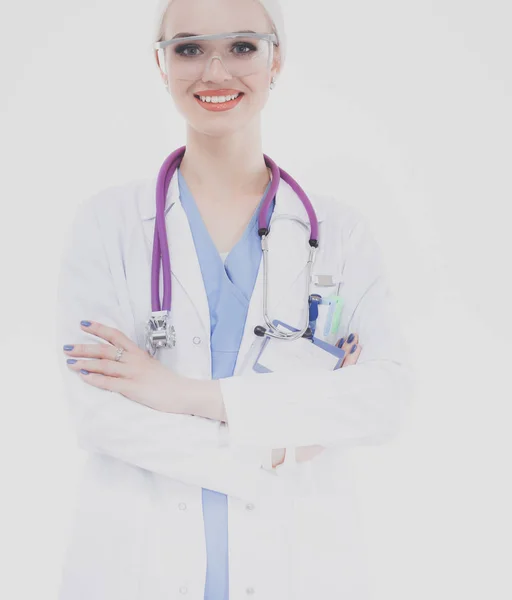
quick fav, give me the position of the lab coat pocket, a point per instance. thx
(328, 549)
(329, 319)
(105, 551)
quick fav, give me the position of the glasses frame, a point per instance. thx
(270, 37)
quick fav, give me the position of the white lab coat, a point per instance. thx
(294, 532)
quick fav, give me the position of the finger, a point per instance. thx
(353, 338)
(353, 355)
(97, 350)
(109, 368)
(278, 456)
(110, 334)
(112, 384)
(305, 453)
(346, 345)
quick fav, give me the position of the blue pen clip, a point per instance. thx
(314, 301)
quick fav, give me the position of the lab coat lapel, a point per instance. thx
(287, 258)
(288, 255)
(185, 267)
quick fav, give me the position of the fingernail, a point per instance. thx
(84, 371)
(341, 342)
(350, 338)
(85, 323)
(68, 347)
(71, 361)
(353, 349)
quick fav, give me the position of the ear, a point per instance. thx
(276, 62)
(161, 68)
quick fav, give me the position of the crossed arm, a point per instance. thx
(361, 404)
(141, 378)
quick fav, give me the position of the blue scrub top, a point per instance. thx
(229, 287)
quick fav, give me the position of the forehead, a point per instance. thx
(215, 16)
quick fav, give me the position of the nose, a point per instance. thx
(215, 70)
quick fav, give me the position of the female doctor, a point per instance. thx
(205, 479)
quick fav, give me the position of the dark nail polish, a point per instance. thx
(85, 323)
(350, 338)
(353, 349)
(71, 361)
(68, 347)
(84, 371)
(341, 342)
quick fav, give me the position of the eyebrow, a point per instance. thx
(186, 34)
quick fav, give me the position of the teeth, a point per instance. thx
(217, 99)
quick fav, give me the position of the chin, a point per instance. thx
(217, 130)
(219, 124)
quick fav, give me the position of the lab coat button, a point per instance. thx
(197, 340)
(183, 589)
(249, 506)
(249, 591)
(182, 506)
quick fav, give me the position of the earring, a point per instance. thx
(273, 83)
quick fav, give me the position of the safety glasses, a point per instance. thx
(240, 53)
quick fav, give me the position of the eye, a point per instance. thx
(187, 50)
(244, 48)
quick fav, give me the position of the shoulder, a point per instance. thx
(114, 207)
(345, 231)
(118, 199)
(337, 213)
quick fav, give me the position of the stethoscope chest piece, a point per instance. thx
(159, 332)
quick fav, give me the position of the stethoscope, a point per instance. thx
(159, 331)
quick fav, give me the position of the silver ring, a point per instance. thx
(119, 353)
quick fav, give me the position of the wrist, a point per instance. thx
(203, 398)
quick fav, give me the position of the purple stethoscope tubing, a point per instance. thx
(160, 244)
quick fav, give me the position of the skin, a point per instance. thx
(225, 170)
(223, 165)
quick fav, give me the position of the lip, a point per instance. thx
(219, 106)
(217, 92)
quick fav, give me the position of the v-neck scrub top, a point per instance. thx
(229, 282)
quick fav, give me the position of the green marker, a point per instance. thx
(337, 314)
(332, 321)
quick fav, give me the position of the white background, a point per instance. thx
(402, 108)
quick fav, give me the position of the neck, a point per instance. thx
(232, 164)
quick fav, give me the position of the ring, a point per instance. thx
(119, 353)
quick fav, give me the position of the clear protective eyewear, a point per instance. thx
(241, 54)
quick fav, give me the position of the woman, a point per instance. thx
(204, 479)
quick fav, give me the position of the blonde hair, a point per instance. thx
(271, 7)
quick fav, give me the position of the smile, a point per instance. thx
(218, 98)
(219, 103)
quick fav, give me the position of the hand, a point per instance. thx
(305, 453)
(136, 375)
(350, 358)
